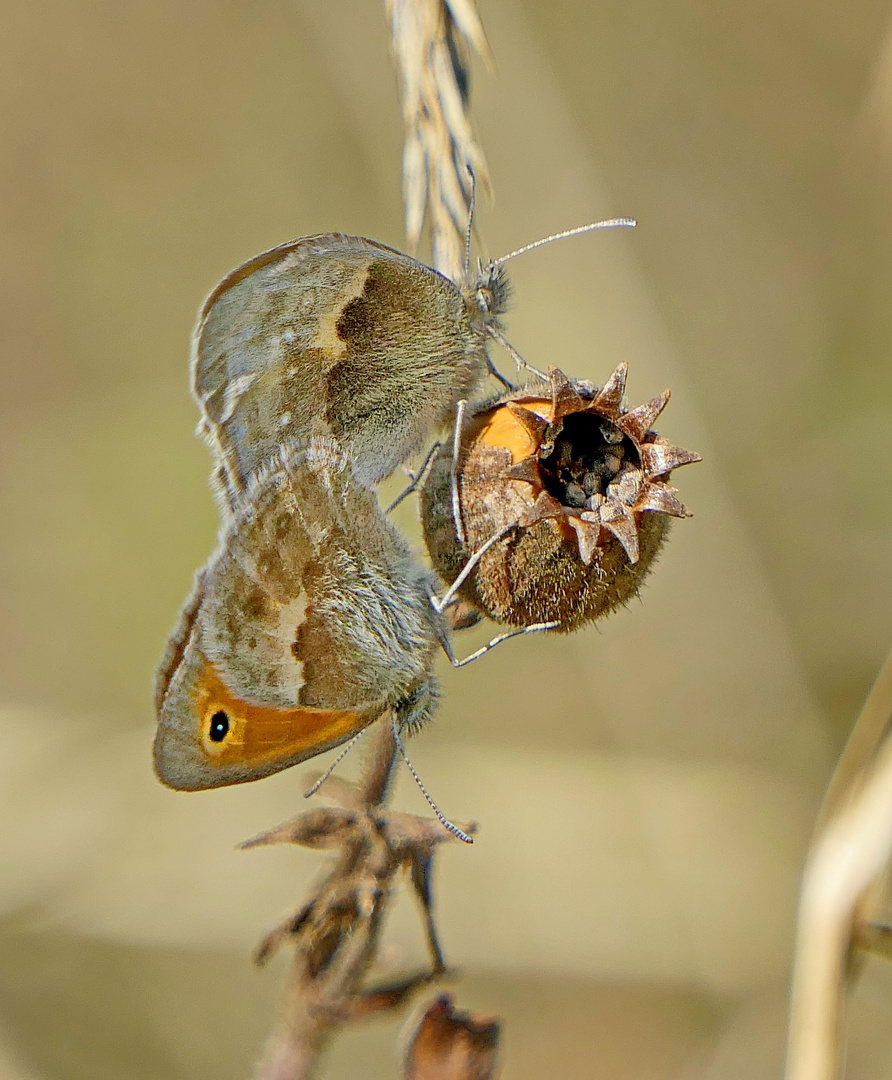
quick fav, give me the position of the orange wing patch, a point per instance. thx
(234, 732)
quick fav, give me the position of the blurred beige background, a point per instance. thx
(646, 788)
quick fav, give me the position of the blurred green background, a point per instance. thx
(646, 788)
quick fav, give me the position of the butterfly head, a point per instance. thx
(491, 291)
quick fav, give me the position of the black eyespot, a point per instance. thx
(219, 726)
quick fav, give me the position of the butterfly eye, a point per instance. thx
(485, 299)
(219, 726)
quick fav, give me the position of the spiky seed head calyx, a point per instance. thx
(584, 481)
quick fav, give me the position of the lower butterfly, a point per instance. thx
(309, 622)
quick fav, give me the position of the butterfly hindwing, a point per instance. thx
(336, 336)
(309, 622)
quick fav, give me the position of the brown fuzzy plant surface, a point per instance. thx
(335, 935)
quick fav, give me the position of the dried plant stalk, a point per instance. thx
(866, 736)
(431, 39)
(336, 933)
(848, 858)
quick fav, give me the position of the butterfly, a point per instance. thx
(318, 367)
(340, 336)
(309, 622)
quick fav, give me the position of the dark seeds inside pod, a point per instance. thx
(588, 453)
(219, 726)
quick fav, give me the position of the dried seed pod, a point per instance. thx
(452, 1045)
(583, 482)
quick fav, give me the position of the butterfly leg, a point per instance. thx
(484, 649)
(417, 480)
(440, 603)
(453, 473)
(496, 374)
(498, 336)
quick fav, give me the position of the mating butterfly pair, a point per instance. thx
(319, 367)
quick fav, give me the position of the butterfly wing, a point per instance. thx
(331, 335)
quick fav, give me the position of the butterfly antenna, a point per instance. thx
(611, 223)
(441, 817)
(472, 209)
(331, 768)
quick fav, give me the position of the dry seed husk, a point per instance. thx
(584, 481)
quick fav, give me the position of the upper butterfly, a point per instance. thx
(337, 336)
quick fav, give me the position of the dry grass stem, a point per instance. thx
(335, 935)
(848, 859)
(431, 41)
(866, 736)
